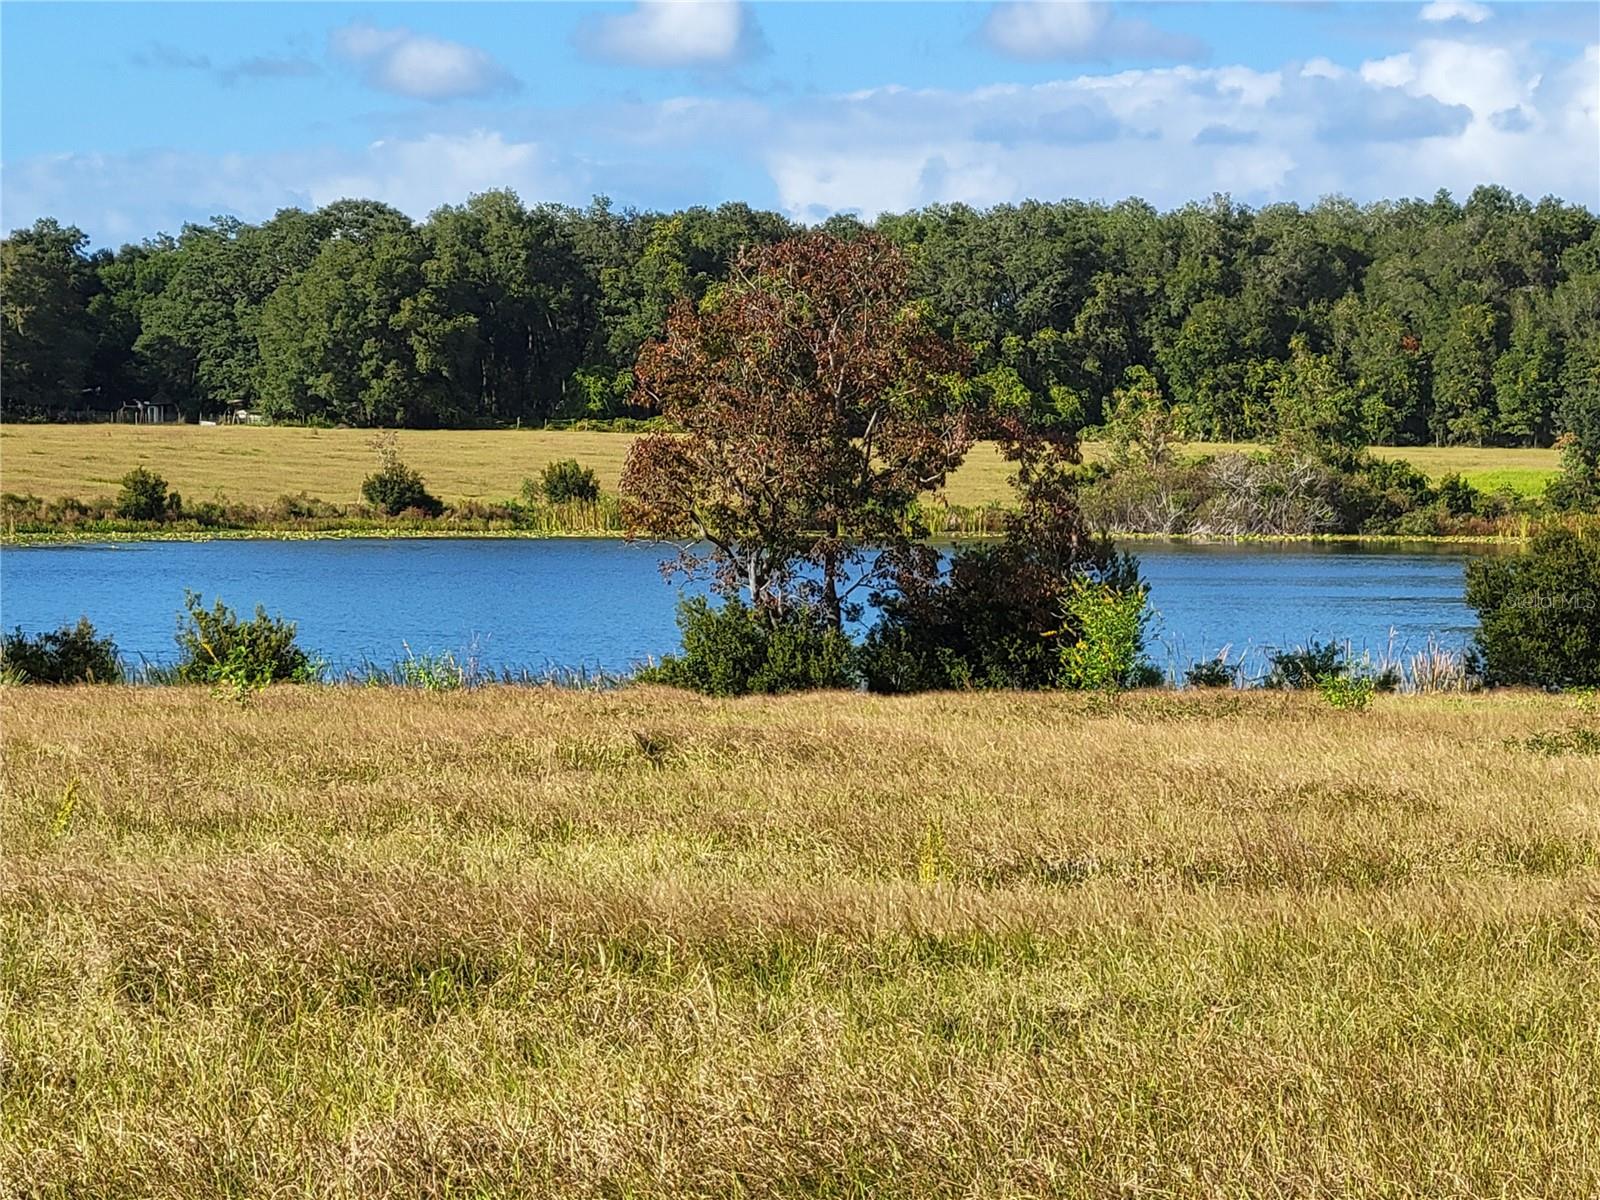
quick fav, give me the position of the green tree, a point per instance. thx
(144, 497)
(1142, 428)
(1463, 378)
(1106, 337)
(359, 338)
(46, 337)
(197, 333)
(1447, 321)
(567, 481)
(1390, 372)
(1578, 486)
(130, 281)
(515, 274)
(1317, 412)
(1527, 383)
(1205, 364)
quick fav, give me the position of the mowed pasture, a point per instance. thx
(256, 465)
(523, 942)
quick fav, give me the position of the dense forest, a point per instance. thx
(1415, 321)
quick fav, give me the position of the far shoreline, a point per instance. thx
(45, 540)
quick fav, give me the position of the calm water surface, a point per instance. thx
(603, 604)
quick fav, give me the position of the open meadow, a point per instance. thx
(524, 942)
(256, 465)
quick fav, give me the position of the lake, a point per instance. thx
(603, 604)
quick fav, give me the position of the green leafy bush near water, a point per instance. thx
(737, 650)
(396, 488)
(144, 497)
(1539, 612)
(216, 646)
(1107, 653)
(564, 482)
(71, 654)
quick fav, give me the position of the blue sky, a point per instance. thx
(127, 119)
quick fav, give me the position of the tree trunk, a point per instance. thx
(832, 607)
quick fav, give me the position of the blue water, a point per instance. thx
(603, 604)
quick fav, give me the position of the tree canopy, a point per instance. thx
(815, 403)
(1398, 322)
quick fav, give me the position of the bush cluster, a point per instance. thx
(1008, 615)
(1348, 693)
(1107, 652)
(1265, 495)
(71, 654)
(216, 646)
(1326, 667)
(1539, 612)
(396, 488)
(738, 650)
(144, 497)
(1024, 612)
(565, 482)
(1215, 672)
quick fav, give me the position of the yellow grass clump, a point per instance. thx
(524, 942)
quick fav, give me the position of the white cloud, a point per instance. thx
(1323, 68)
(119, 198)
(418, 65)
(418, 175)
(1395, 71)
(1485, 78)
(1079, 31)
(1456, 10)
(1448, 113)
(673, 33)
(1533, 125)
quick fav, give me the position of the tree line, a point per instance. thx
(1399, 322)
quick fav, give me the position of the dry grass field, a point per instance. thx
(517, 942)
(256, 465)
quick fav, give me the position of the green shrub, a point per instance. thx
(1459, 497)
(1306, 667)
(299, 508)
(71, 654)
(1348, 693)
(215, 646)
(1577, 487)
(1215, 672)
(1303, 666)
(1107, 652)
(144, 497)
(1561, 742)
(996, 619)
(395, 488)
(1420, 522)
(1539, 612)
(566, 481)
(737, 650)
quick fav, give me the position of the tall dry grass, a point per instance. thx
(533, 943)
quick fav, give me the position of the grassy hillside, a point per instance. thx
(530, 943)
(257, 465)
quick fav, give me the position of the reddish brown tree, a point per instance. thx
(816, 404)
